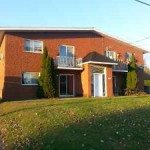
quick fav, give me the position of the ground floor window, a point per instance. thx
(30, 78)
(66, 85)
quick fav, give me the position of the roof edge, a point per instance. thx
(46, 28)
(121, 40)
(83, 29)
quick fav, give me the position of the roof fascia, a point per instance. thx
(63, 29)
(121, 40)
(100, 63)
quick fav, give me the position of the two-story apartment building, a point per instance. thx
(88, 62)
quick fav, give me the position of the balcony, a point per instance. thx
(64, 62)
(121, 67)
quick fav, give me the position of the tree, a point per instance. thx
(54, 76)
(47, 79)
(132, 75)
(49, 82)
(40, 90)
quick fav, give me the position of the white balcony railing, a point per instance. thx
(68, 62)
(120, 67)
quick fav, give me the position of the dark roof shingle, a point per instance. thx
(96, 57)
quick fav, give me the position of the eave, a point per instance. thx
(3, 30)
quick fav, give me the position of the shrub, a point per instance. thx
(136, 92)
(131, 77)
(47, 80)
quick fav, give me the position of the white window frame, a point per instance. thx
(30, 78)
(108, 54)
(66, 49)
(32, 51)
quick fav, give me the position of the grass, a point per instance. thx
(76, 124)
(146, 82)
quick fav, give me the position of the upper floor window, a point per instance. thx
(30, 78)
(111, 54)
(66, 51)
(128, 56)
(34, 46)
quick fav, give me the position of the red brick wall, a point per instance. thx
(122, 48)
(109, 81)
(18, 61)
(2, 67)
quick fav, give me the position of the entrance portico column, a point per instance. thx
(86, 80)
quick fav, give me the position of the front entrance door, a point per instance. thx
(98, 85)
(66, 85)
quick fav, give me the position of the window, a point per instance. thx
(111, 54)
(30, 78)
(66, 51)
(34, 46)
(128, 56)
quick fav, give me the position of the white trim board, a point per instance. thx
(120, 70)
(67, 68)
(101, 63)
(63, 29)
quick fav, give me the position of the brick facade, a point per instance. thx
(16, 60)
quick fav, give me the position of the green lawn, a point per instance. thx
(77, 124)
(146, 82)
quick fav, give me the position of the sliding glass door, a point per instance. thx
(66, 85)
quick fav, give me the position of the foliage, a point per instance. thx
(147, 70)
(54, 77)
(132, 75)
(40, 90)
(47, 80)
(146, 82)
(146, 73)
(135, 92)
(111, 123)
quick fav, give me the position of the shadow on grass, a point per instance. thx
(44, 105)
(60, 102)
(119, 131)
